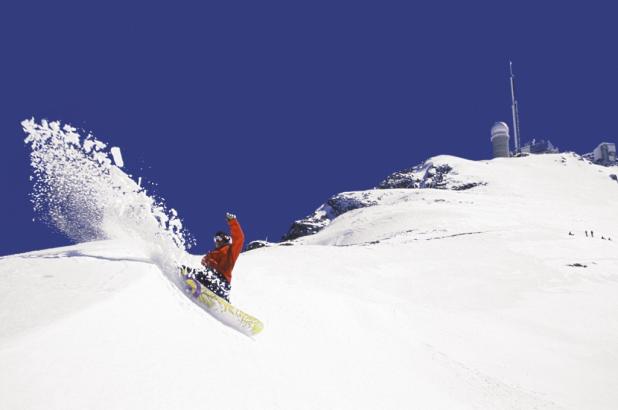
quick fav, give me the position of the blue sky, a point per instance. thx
(268, 108)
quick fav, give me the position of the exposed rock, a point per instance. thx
(428, 175)
(577, 265)
(335, 206)
(408, 178)
(425, 175)
(258, 244)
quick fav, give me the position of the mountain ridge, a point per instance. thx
(443, 172)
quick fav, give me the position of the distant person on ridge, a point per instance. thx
(220, 261)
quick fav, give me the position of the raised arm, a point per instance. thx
(238, 236)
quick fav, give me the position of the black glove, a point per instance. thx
(230, 216)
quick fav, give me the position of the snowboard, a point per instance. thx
(218, 307)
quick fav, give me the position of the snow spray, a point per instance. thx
(80, 190)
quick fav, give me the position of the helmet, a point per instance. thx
(221, 237)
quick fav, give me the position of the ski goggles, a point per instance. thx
(221, 238)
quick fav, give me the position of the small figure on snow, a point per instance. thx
(586, 234)
(571, 233)
(219, 262)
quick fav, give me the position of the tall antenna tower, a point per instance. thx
(516, 131)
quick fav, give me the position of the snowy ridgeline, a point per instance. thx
(502, 183)
(436, 298)
(434, 173)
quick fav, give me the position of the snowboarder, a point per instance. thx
(220, 262)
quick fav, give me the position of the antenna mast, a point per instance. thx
(516, 132)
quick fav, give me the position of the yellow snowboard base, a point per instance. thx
(218, 307)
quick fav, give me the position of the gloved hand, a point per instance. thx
(230, 216)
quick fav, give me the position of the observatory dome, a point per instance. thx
(499, 128)
(500, 140)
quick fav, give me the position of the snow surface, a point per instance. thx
(430, 299)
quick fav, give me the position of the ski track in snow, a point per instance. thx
(491, 392)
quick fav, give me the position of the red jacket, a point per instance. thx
(223, 259)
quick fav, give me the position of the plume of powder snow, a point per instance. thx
(117, 156)
(78, 190)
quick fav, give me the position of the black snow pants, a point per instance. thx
(213, 280)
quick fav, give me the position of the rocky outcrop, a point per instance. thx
(257, 244)
(428, 175)
(335, 206)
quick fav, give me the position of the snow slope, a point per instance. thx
(433, 324)
(429, 299)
